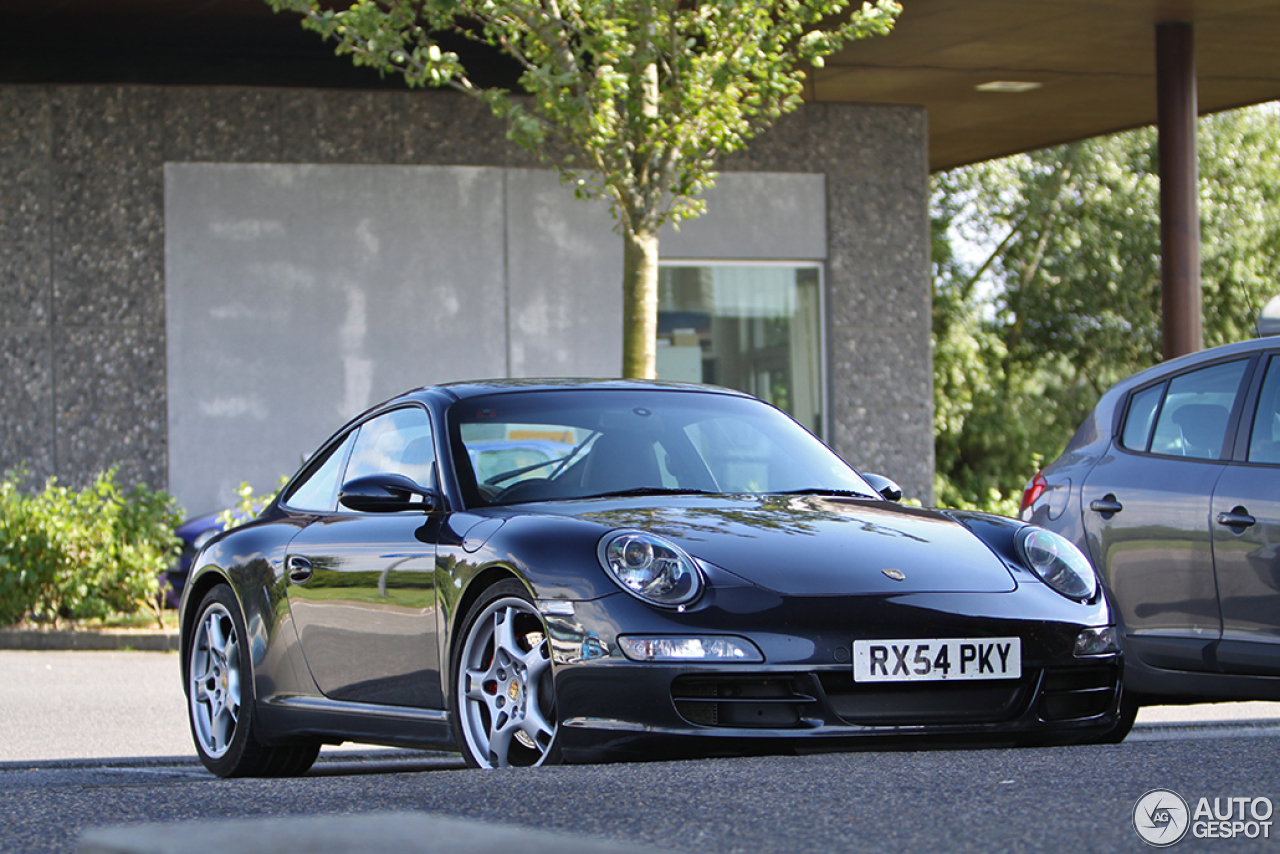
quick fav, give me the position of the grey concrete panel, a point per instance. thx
(26, 402)
(109, 408)
(877, 144)
(109, 282)
(448, 129)
(325, 126)
(25, 163)
(107, 205)
(880, 245)
(82, 235)
(765, 216)
(797, 142)
(565, 281)
(224, 124)
(25, 291)
(300, 295)
(882, 404)
(108, 150)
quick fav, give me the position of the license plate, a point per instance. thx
(936, 660)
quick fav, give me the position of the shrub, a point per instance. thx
(80, 554)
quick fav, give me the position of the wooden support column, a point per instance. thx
(1179, 209)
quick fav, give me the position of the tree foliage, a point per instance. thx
(1047, 287)
(640, 96)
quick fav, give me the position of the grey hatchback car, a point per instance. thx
(1172, 487)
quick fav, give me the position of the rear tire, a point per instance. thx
(220, 699)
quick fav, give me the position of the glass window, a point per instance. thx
(1142, 412)
(318, 491)
(1193, 419)
(753, 327)
(593, 443)
(398, 442)
(1264, 439)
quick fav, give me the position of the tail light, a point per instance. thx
(1035, 488)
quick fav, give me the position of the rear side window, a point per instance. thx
(1142, 414)
(1191, 413)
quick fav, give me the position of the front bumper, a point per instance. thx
(805, 694)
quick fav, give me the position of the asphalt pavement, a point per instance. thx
(99, 739)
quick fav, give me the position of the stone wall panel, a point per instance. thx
(224, 125)
(82, 291)
(110, 403)
(26, 405)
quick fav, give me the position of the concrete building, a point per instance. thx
(218, 242)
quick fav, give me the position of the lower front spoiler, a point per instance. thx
(608, 722)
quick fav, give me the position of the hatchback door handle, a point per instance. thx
(1106, 505)
(300, 569)
(1237, 518)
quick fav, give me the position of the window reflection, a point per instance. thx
(753, 327)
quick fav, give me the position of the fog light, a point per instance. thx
(1097, 641)
(722, 649)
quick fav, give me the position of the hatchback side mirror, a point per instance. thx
(387, 493)
(889, 490)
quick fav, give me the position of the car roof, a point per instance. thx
(1173, 366)
(1101, 423)
(476, 388)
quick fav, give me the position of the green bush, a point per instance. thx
(249, 504)
(76, 555)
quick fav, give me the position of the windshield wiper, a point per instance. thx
(652, 490)
(507, 475)
(820, 490)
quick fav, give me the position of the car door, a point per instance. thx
(1245, 518)
(1146, 513)
(362, 585)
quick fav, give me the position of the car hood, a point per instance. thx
(815, 546)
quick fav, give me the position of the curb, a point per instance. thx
(405, 833)
(99, 639)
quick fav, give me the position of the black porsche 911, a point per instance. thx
(687, 569)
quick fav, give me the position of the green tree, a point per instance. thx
(1063, 299)
(641, 96)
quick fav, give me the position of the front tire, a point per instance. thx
(504, 697)
(220, 698)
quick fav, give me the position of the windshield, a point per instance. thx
(568, 444)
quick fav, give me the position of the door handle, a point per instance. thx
(1237, 518)
(1107, 505)
(299, 568)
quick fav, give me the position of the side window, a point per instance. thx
(1142, 414)
(397, 442)
(1193, 420)
(1264, 439)
(318, 491)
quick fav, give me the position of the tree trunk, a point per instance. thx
(640, 304)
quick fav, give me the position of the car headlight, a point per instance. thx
(1058, 563)
(651, 568)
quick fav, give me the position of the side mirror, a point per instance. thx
(888, 490)
(387, 493)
